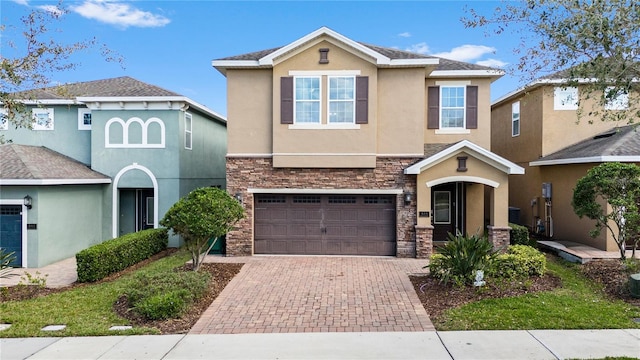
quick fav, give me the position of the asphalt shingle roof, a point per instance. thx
(35, 162)
(392, 53)
(116, 87)
(621, 141)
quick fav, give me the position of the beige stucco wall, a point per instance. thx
(249, 103)
(567, 225)
(476, 168)
(480, 136)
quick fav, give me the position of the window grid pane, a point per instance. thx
(307, 100)
(341, 99)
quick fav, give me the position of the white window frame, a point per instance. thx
(565, 98)
(4, 120)
(188, 131)
(463, 108)
(81, 113)
(37, 112)
(515, 110)
(295, 100)
(620, 102)
(330, 101)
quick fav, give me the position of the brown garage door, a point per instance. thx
(325, 224)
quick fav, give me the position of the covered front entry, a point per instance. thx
(136, 210)
(325, 224)
(11, 232)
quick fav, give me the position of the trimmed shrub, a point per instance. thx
(165, 295)
(101, 260)
(460, 258)
(520, 261)
(519, 235)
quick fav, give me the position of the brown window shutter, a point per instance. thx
(286, 100)
(472, 107)
(433, 107)
(362, 99)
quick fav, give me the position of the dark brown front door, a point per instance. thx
(144, 209)
(447, 202)
(325, 224)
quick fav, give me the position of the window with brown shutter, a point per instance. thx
(433, 107)
(472, 107)
(286, 100)
(362, 99)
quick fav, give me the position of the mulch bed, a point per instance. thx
(612, 275)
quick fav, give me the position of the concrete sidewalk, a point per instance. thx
(476, 345)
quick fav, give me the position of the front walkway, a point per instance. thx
(59, 274)
(580, 253)
(282, 294)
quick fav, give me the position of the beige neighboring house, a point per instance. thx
(537, 128)
(344, 148)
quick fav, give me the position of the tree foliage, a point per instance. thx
(205, 213)
(591, 43)
(35, 59)
(618, 185)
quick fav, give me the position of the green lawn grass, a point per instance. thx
(578, 304)
(86, 310)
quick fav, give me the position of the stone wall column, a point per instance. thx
(499, 237)
(424, 241)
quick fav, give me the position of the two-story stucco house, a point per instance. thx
(537, 127)
(340, 147)
(103, 158)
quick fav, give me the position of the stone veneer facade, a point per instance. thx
(245, 173)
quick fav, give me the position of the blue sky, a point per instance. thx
(171, 43)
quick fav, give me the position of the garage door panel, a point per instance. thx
(327, 224)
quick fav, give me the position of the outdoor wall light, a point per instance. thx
(407, 198)
(238, 197)
(28, 201)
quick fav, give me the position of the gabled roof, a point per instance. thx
(435, 155)
(620, 144)
(123, 89)
(382, 57)
(36, 165)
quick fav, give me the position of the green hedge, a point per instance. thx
(520, 261)
(519, 235)
(101, 260)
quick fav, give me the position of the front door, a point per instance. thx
(11, 232)
(447, 202)
(144, 209)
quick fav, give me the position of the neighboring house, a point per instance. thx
(340, 147)
(537, 127)
(103, 158)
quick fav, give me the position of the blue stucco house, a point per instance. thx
(102, 158)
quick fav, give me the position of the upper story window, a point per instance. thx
(307, 100)
(452, 107)
(308, 95)
(342, 99)
(616, 100)
(188, 123)
(134, 133)
(565, 98)
(42, 119)
(515, 119)
(84, 119)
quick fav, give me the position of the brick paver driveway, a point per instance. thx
(276, 294)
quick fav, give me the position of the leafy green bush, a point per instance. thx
(460, 258)
(101, 260)
(165, 295)
(520, 261)
(519, 235)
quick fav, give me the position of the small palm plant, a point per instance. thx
(460, 258)
(6, 259)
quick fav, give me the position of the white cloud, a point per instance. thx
(405, 34)
(494, 63)
(466, 52)
(421, 48)
(53, 9)
(21, 2)
(119, 14)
